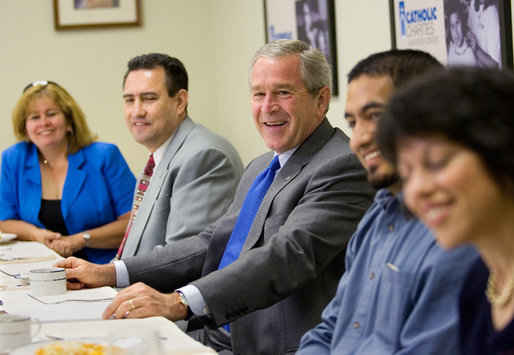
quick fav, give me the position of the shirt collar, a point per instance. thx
(284, 157)
(386, 199)
(159, 152)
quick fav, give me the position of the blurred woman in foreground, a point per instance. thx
(451, 137)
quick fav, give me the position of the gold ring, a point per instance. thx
(132, 304)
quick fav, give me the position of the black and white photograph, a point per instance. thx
(311, 21)
(473, 33)
(312, 26)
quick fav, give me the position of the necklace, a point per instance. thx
(45, 161)
(460, 50)
(498, 300)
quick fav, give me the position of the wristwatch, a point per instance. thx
(87, 238)
(183, 302)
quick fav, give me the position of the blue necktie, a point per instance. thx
(247, 214)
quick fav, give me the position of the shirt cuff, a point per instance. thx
(195, 300)
(122, 275)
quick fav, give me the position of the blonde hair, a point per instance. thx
(80, 135)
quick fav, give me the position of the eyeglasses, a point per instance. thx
(40, 82)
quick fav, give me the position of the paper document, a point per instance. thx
(74, 305)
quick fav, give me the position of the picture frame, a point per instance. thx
(312, 21)
(84, 14)
(456, 32)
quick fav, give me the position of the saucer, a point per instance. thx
(6, 237)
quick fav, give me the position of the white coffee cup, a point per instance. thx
(47, 281)
(16, 330)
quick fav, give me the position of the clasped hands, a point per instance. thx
(64, 246)
(136, 301)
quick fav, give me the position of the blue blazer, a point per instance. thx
(99, 187)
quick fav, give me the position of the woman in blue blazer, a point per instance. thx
(58, 186)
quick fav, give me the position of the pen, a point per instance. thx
(392, 267)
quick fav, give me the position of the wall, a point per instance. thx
(90, 63)
(214, 38)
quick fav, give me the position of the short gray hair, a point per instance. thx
(316, 72)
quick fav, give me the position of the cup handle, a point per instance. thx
(38, 322)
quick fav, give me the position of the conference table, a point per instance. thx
(75, 315)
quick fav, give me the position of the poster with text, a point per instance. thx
(456, 32)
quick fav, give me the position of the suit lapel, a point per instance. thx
(32, 185)
(75, 178)
(301, 157)
(155, 186)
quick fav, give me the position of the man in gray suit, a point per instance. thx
(293, 254)
(196, 171)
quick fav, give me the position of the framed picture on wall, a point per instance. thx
(77, 14)
(311, 21)
(456, 32)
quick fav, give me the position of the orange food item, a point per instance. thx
(78, 348)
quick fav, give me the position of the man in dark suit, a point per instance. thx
(292, 256)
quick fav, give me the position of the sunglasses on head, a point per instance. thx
(40, 82)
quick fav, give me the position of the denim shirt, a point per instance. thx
(399, 292)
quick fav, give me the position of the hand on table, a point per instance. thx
(68, 245)
(141, 301)
(81, 273)
(45, 236)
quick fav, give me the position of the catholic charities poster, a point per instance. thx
(420, 24)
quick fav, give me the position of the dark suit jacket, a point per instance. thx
(293, 257)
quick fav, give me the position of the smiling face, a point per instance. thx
(449, 188)
(284, 112)
(46, 124)
(365, 103)
(456, 29)
(151, 115)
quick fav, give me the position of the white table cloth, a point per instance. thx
(80, 315)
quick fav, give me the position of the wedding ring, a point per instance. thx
(132, 304)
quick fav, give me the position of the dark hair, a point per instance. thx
(470, 106)
(455, 7)
(459, 9)
(312, 4)
(487, 3)
(399, 65)
(175, 72)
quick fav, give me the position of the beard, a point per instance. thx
(383, 180)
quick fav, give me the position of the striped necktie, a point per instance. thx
(142, 185)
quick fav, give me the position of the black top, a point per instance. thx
(50, 215)
(477, 334)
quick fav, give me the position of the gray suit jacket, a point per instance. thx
(294, 254)
(191, 187)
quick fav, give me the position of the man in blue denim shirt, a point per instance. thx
(399, 292)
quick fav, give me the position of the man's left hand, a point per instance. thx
(141, 301)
